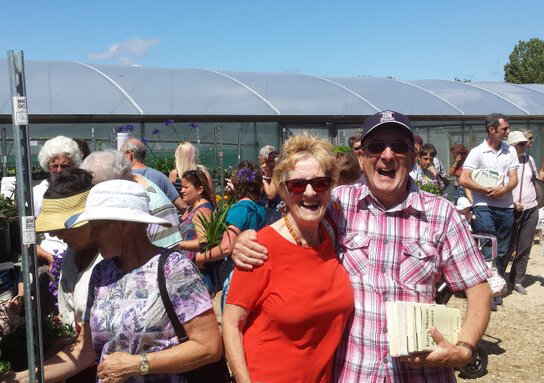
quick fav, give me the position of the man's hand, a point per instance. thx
(118, 367)
(432, 170)
(247, 253)
(497, 192)
(518, 206)
(445, 355)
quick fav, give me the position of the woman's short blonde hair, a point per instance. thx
(300, 147)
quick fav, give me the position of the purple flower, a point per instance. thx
(168, 122)
(56, 267)
(144, 140)
(120, 129)
(193, 125)
(155, 131)
(246, 174)
(129, 127)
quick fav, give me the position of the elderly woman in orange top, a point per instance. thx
(281, 322)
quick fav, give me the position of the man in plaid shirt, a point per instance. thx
(396, 242)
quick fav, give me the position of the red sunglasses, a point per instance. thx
(298, 186)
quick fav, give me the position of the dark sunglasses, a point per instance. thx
(377, 147)
(319, 184)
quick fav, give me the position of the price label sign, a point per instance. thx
(28, 230)
(21, 112)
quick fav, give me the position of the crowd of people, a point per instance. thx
(315, 244)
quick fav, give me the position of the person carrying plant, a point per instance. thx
(245, 214)
(425, 174)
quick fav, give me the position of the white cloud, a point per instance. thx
(126, 51)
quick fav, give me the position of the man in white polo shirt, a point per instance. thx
(493, 206)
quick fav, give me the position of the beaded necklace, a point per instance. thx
(294, 234)
(291, 231)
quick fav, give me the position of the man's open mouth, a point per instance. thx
(387, 172)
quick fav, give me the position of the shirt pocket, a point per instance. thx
(418, 264)
(354, 250)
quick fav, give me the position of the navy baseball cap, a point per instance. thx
(387, 117)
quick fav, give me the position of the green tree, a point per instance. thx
(526, 63)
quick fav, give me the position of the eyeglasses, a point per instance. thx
(377, 147)
(298, 186)
(355, 148)
(531, 138)
(53, 167)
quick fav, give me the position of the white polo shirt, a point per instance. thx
(502, 161)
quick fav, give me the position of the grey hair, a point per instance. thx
(59, 146)
(266, 150)
(107, 165)
(526, 132)
(135, 146)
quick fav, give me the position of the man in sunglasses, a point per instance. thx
(395, 242)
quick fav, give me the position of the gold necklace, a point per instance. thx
(291, 231)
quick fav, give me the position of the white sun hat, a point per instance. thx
(516, 137)
(117, 200)
(463, 203)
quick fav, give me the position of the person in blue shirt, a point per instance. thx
(244, 214)
(135, 151)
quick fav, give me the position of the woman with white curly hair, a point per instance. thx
(57, 154)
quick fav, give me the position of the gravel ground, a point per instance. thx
(514, 337)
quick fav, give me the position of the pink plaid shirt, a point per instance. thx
(396, 255)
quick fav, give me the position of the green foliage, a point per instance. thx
(13, 344)
(8, 211)
(526, 63)
(215, 226)
(341, 149)
(162, 164)
(430, 187)
(5, 366)
(37, 173)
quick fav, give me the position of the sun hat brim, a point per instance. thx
(55, 211)
(113, 214)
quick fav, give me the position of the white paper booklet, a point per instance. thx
(408, 325)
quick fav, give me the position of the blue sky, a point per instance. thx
(404, 39)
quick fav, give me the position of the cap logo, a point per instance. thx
(387, 116)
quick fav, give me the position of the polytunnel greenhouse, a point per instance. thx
(244, 111)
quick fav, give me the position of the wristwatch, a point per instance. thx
(467, 345)
(144, 365)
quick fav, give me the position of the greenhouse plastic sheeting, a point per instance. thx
(76, 88)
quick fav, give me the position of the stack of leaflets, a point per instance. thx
(487, 178)
(408, 325)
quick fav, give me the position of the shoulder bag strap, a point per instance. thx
(535, 174)
(176, 324)
(521, 180)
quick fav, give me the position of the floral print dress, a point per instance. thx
(126, 313)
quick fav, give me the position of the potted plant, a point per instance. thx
(8, 220)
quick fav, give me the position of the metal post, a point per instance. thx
(93, 139)
(239, 144)
(26, 215)
(220, 154)
(214, 149)
(4, 153)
